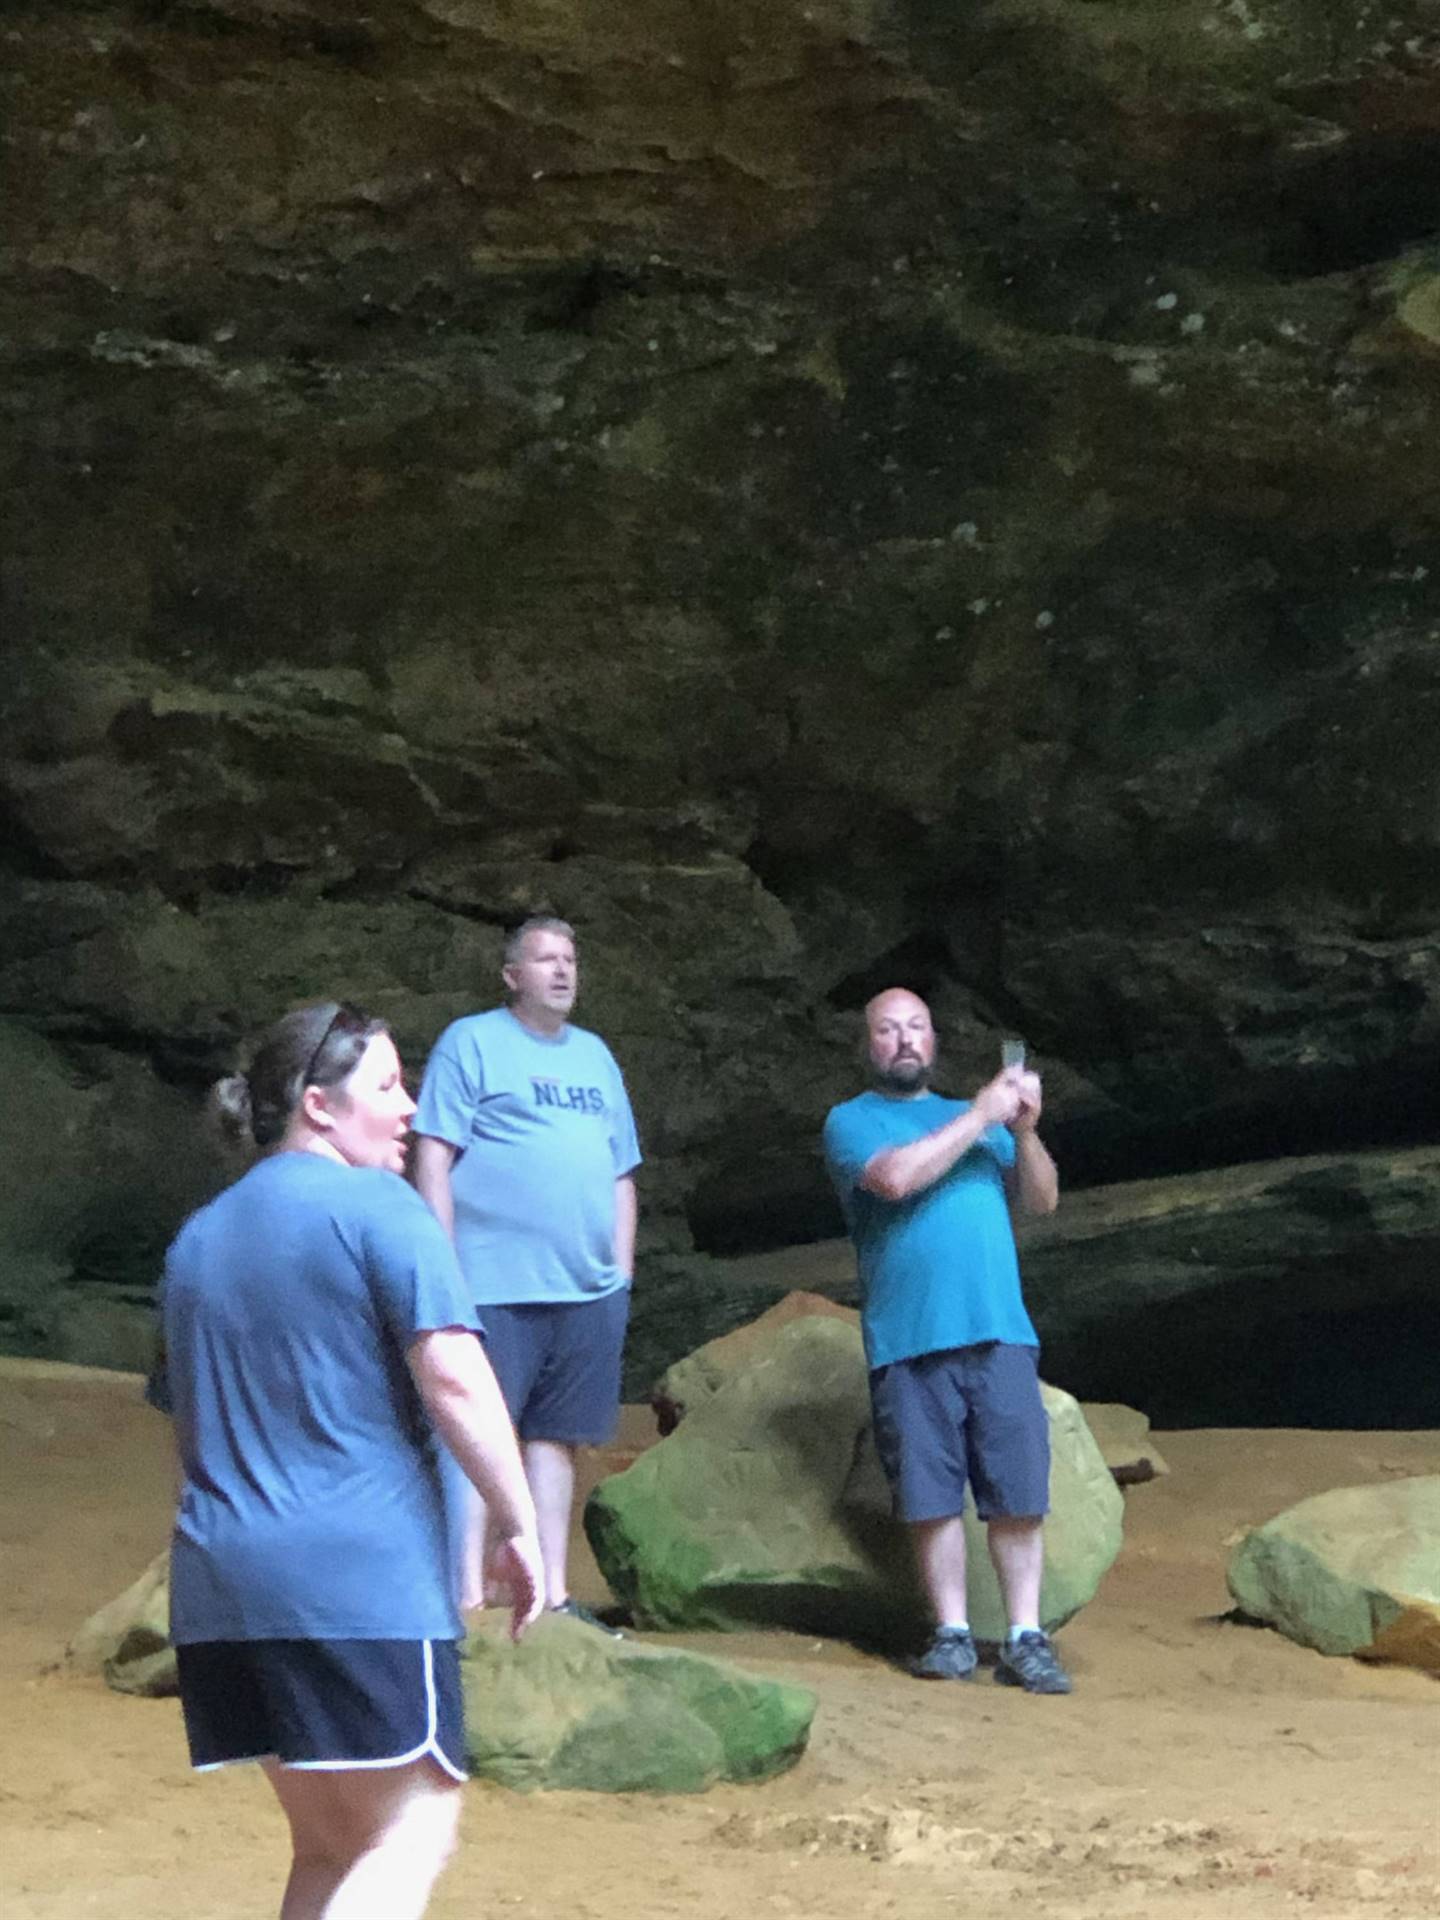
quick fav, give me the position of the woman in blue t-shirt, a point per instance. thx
(317, 1340)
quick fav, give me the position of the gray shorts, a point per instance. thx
(967, 1415)
(559, 1366)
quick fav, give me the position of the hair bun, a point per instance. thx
(233, 1108)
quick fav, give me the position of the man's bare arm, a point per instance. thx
(433, 1161)
(896, 1173)
(627, 1215)
(1033, 1183)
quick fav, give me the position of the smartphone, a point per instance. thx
(1012, 1054)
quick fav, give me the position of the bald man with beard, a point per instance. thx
(928, 1185)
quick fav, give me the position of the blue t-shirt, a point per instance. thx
(543, 1130)
(313, 1505)
(937, 1270)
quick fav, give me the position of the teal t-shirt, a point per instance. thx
(937, 1270)
(543, 1130)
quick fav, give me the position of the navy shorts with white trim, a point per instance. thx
(326, 1705)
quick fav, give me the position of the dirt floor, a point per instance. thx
(1201, 1770)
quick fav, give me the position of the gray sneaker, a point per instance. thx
(949, 1656)
(573, 1610)
(1030, 1662)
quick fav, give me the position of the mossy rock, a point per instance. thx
(1352, 1571)
(767, 1506)
(571, 1707)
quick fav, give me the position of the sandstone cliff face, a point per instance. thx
(815, 493)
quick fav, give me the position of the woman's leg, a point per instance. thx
(368, 1844)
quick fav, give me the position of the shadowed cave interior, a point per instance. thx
(946, 498)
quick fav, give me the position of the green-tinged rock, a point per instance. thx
(1356, 1570)
(128, 1640)
(1122, 1433)
(701, 1374)
(767, 1505)
(569, 1707)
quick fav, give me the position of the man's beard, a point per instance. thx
(904, 1076)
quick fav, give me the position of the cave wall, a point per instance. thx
(816, 493)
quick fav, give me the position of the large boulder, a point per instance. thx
(701, 1374)
(569, 1707)
(1356, 1570)
(1122, 1433)
(128, 1640)
(767, 1505)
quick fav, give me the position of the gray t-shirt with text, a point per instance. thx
(543, 1129)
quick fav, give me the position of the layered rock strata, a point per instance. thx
(816, 493)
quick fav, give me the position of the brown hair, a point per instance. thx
(315, 1046)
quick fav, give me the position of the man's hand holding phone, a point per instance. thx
(1026, 1084)
(999, 1100)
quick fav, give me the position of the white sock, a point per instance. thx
(1028, 1627)
(954, 1626)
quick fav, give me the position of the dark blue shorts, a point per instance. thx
(323, 1705)
(969, 1414)
(559, 1366)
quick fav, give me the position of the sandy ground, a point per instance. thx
(1201, 1768)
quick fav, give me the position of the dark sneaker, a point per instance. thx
(573, 1610)
(949, 1656)
(1030, 1662)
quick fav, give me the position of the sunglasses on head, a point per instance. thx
(347, 1020)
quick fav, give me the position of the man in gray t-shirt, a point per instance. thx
(526, 1150)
